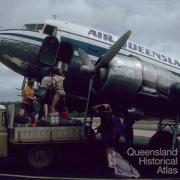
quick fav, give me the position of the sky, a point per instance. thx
(154, 24)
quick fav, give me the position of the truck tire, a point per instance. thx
(162, 139)
(40, 157)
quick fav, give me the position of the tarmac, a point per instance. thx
(19, 177)
(76, 169)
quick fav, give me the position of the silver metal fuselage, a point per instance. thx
(129, 79)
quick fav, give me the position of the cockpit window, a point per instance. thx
(39, 27)
(50, 30)
(30, 27)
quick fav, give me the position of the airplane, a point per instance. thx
(99, 67)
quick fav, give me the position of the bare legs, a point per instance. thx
(55, 100)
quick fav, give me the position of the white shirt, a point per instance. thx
(46, 82)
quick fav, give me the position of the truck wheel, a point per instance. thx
(162, 139)
(40, 157)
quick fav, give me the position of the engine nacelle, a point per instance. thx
(121, 80)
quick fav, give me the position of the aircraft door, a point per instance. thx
(65, 52)
(48, 51)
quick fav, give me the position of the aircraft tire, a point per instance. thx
(40, 157)
(162, 139)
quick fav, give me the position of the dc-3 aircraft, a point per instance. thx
(98, 66)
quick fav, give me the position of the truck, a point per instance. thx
(39, 145)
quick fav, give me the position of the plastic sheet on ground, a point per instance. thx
(122, 168)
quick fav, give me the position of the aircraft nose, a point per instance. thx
(16, 61)
(2, 47)
(10, 56)
(17, 52)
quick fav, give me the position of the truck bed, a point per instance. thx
(46, 134)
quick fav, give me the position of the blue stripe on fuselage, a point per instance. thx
(23, 36)
(88, 48)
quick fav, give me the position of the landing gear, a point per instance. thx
(166, 136)
(162, 139)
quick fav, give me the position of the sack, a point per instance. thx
(41, 92)
(122, 167)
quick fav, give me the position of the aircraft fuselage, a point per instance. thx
(128, 80)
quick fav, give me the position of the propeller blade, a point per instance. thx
(85, 58)
(114, 49)
(88, 98)
(87, 70)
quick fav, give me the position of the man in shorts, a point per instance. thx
(57, 83)
(27, 101)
